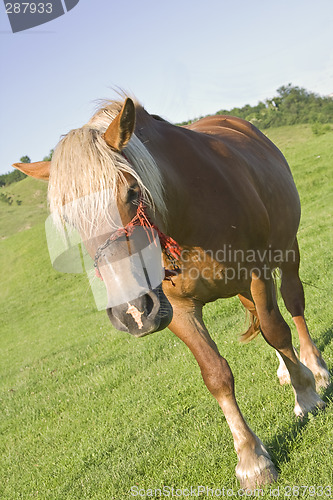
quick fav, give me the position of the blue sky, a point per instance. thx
(181, 59)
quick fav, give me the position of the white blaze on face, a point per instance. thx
(136, 315)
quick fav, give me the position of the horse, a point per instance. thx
(222, 200)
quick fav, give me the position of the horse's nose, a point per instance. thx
(132, 312)
(147, 314)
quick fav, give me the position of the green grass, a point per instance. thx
(16, 218)
(89, 412)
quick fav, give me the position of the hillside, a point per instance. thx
(88, 412)
(28, 206)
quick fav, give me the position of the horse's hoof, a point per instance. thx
(315, 362)
(307, 402)
(323, 379)
(267, 476)
(253, 470)
(322, 376)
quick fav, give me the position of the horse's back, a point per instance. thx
(225, 127)
(259, 163)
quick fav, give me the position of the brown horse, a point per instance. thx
(226, 195)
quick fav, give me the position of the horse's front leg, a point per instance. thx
(254, 464)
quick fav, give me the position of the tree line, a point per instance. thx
(292, 105)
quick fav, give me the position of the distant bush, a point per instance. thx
(320, 128)
(49, 156)
(5, 198)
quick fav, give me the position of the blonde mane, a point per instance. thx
(83, 164)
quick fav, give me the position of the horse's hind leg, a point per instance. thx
(293, 295)
(254, 464)
(277, 333)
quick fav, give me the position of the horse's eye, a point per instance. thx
(132, 193)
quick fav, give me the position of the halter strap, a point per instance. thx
(170, 247)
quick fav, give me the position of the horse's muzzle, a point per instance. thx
(149, 313)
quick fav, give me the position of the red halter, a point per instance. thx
(168, 244)
(170, 247)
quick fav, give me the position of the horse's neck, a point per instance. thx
(172, 153)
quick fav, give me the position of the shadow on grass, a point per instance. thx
(325, 339)
(282, 445)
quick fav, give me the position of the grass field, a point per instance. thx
(89, 412)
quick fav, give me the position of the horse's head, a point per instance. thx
(103, 191)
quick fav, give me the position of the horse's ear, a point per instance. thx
(39, 169)
(121, 128)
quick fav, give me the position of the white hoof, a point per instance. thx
(319, 369)
(307, 401)
(306, 398)
(255, 467)
(322, 378)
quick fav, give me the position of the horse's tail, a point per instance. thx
(252, 331)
